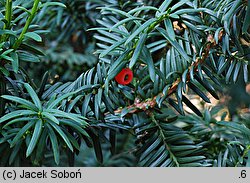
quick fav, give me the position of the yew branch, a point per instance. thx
(151, 103)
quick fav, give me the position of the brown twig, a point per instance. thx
(151, 102)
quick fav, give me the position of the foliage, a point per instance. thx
(173, 49)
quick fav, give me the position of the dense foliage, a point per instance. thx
(61, 105)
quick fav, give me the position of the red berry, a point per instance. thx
(124, 77)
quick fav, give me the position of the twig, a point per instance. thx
(27, 24)
(151, 103)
